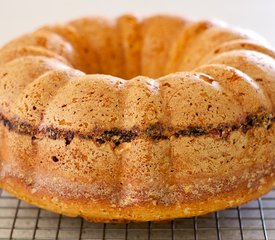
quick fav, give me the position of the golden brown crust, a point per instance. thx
(105, 211)
(110, 149)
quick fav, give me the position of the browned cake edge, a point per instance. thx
(103, 212)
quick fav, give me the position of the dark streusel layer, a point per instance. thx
(155, 131)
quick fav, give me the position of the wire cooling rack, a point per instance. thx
(252, 221)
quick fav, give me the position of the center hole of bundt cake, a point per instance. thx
(154, 61)
(152, 64)
(153, 47)
(128, 48)
(115, 63)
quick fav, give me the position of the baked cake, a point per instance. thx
(137, 120)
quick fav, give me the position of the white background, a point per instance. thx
(20, 16)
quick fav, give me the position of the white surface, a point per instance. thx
(20, 16)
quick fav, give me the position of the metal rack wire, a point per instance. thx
(252, 221)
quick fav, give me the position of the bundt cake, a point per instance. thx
(137, 120)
